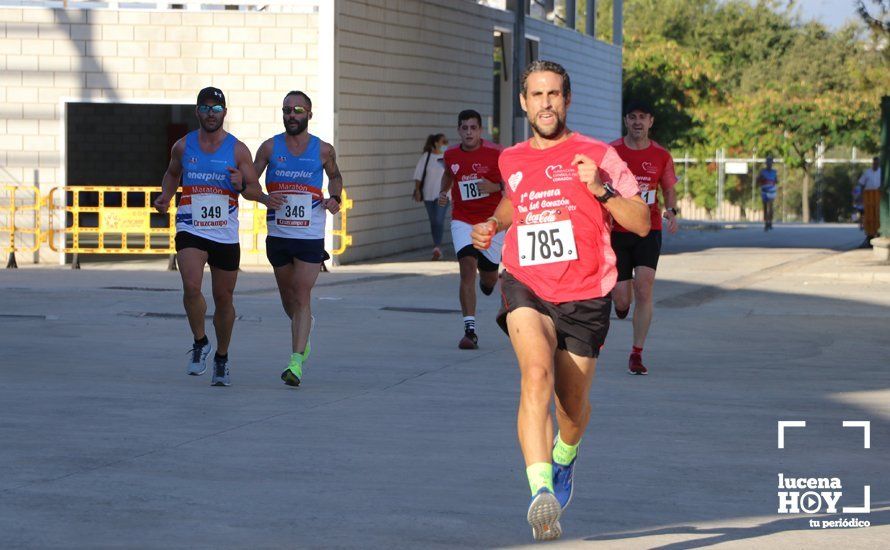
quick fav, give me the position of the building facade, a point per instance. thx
(97, 96)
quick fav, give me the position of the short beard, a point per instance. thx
(557, 130)
(209, 130)
(299, 129)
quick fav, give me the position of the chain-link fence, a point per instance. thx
(725, 188)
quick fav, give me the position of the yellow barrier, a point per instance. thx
(113, 223)
(111, 229)
(345, 238)
(10, 208)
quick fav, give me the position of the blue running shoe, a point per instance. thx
(198, 359)
(563, 478)
(220, 373)
(543, 515)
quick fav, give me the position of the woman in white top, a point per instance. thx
(427, 184)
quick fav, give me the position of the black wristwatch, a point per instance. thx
(337, 198)
(607, 195)
(673, 211)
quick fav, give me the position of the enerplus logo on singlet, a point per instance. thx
(207, 176)
(293, 173)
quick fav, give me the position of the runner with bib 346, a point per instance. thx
(295, 163)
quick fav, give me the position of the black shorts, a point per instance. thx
(225, 256)
(581, 327)
(484, 263)
(632, 251)
(282, 251)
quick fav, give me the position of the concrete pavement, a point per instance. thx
(399, 439)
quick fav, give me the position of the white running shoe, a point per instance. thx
(198, 359)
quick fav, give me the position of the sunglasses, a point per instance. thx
(215, 109)
(295, 110)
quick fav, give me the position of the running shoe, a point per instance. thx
(563, 478)
(469, 341)
(543, 515)
(487, 290)
(621, 313)
(220, 372)
(198, 361)
(437, 253)
(293, 374)
(635, 364)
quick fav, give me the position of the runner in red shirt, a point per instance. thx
(474, 181)
(653, 167)
(562, 189)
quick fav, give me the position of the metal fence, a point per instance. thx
(117, 220)
(745, 206)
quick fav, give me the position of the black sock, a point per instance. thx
(218, 357)
(203, 341)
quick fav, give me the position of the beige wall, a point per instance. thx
(49, 56)
(401, 70)
(405, 73)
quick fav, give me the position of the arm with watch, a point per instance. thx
(335, 179)
(631, 212)
(670, 209)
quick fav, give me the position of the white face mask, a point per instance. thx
(442, 147)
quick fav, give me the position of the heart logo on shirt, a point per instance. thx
(649, 167)
(551, 169)
(455, 167)
(514, 180)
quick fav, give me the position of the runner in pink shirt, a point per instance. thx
(562, 191)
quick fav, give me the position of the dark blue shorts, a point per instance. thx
(281, 251)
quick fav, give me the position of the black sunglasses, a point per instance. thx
(295, 110)
(215, 109)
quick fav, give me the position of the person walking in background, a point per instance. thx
(870, 182)
(768, 179)
(427, 184)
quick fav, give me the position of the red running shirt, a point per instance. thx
(651, 166)
(466, 168)
(559, 243)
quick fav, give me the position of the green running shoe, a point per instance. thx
(293, 374)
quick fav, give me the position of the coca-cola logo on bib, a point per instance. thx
(544, 216)
(514, 180)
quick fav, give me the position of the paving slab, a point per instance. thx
(398, 439)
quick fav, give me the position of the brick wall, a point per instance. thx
(49, 56)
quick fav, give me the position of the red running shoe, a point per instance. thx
(635, 364)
